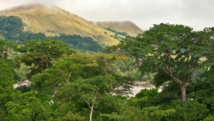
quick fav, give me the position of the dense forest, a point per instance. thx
(65, 84)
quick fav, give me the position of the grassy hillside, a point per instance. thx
(121, 26)
(54, 21)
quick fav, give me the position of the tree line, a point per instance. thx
(67, 85)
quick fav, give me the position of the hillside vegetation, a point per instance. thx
(54, 21)
(11, 29)
(121, 26)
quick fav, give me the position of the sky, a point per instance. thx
(197, 14)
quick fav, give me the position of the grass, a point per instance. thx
(121, 26)
(54, 21)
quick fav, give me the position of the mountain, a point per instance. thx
(121, 26)
(53, 21)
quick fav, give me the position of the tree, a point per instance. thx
(173, 52)
(85, 91)
(27, 107)
(190, 110)
(6, 49)
(11, 27)
(40, 54)
(99, 86)
(112, 65)
(79, 42)
(50, 80)
(6, 86)
(79, 83)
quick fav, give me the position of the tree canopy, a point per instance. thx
(68, 85)
(172, 52)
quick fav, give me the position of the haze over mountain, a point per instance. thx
(52, 21)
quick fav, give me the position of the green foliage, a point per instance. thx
(12, 29)
(168, 94)
(40, 54)
(172, 52)
(129, 113)
(118, 37)
(147, 93)
(85, 89)
(70, 86)
(6, 49)
(165, 45)
(6, 86)
(27, 107)
(26, 36)
(202, 92)
(49, 82)
(72, 117)
(5, 72)
(80, 43)
(120, 33)
(142, 99)
(190, 110)
(136, 114)
(85, 93)
(209, 118)
(22, 71)
(156, 113)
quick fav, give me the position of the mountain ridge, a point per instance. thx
(53, 21)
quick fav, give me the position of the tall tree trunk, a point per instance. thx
(92, 105)
(183, 85)
(183, 92)
(92, 110)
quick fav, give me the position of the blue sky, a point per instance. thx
(194, 13)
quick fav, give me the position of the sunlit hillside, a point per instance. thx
(121, 26)
(55, 21)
